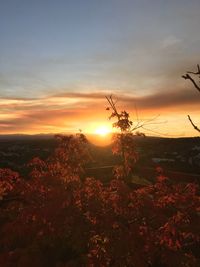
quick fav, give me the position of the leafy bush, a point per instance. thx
(57, 219)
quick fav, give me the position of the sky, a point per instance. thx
(59, 59)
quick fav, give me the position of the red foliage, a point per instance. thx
(62, 220)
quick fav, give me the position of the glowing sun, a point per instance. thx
(102, 131)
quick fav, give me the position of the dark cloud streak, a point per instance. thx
(35, 115)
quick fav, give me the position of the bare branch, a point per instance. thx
(195, 73)
(187, 76)
(195, 127)
(112, 105)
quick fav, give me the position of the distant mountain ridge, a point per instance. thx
(51, 135)
(25, 136)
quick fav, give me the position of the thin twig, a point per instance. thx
(195, 73)
(195, 127)
(160, 134)
(187, 76)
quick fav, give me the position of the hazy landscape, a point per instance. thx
(173, 154)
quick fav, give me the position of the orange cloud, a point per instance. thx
(68, 112)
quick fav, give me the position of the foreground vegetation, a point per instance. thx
(59, 217)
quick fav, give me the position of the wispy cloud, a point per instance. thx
(171, 41)
(70, 111)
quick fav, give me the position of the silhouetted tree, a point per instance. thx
(123, 141)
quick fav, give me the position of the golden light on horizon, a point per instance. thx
(100, 133)
(103, 130)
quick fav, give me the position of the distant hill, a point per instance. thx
(25, 136)
(173, 154)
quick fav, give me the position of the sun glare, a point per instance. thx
(102, 131)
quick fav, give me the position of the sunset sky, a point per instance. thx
(59, 59)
